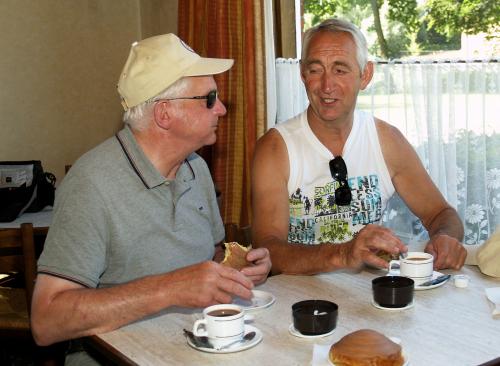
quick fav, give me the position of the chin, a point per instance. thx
(211, 140)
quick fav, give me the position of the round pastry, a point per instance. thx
(235, 256)
(366, 347)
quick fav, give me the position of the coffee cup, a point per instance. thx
(393, 291)
(417, 265)
(222, 324)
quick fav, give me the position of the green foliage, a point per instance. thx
(437, 24)
(405, 12)
(431, 40)
(353, 10)
(449, 17)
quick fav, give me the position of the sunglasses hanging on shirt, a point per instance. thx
(338, 170)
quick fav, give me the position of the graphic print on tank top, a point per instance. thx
(318, 219)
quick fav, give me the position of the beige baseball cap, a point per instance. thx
(155, 63)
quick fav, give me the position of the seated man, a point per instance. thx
(136, 219)
(324, 176)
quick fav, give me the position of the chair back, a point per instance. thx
(17, 254)
(242, 235)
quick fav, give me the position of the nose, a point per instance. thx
(219, 108)
(327, 82)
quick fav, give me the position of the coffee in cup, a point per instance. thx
(222, 324)
(418, 266)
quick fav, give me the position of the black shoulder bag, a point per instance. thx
(24, 187)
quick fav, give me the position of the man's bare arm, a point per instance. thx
(416, 188)
(270, 209)
(62, 309)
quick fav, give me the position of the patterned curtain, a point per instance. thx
(231, 29)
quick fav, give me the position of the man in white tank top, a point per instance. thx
(325, 176)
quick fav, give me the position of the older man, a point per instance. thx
(324, 177)
(136, 219)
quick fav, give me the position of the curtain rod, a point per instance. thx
(447, 61)
(398, 61)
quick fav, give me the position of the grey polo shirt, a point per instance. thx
(116, 218)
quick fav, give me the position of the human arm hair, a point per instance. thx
(63, 309)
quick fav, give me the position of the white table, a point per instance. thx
(447, 325)
(41, 220)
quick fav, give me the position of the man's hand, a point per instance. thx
(262, 260)
(371, 239)
(206, 284)
(448, 252)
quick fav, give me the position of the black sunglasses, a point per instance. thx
(338, 169)
(211, 98)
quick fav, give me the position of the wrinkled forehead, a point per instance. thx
(327, 42)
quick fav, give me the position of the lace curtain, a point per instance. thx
(449, 113)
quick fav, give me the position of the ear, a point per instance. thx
(162, 114)
(302, 72)
(367, 75)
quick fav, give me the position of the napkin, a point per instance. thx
(493, 294)
(320, 355)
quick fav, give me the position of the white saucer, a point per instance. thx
(435, 275)
(395, 340)
(260, 300)
(410, 305)
(235, 348)
(296, 333)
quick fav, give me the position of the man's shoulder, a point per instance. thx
(386, 131)
(98, 156)
(292, 123)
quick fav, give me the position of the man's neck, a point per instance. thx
(332, 134)
(166, 156)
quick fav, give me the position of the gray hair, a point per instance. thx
(138, 117)
(340, 25)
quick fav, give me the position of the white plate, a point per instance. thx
(260, 300)
(410, 305)
(435, 275)
(395, 340)
(235, 348)
(296, 333)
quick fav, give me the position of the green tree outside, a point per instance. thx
(405, 27)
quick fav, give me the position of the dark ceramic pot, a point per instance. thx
(314, 317)
(393, 291)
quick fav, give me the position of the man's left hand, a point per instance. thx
(448, 252)
(262, 260)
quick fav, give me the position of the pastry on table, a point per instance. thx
(366, 347)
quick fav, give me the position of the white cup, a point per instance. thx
(417, 265)
(222, 324)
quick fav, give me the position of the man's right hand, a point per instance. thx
(370, 240)
(207, 283)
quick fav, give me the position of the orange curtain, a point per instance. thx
(231, 29)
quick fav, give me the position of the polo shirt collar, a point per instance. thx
(143, 167)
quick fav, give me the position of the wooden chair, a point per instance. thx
(242, 235)
(17, 252)
(17, 256)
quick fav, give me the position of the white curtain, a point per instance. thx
(291, 97)
(270, 66)
(449, 113)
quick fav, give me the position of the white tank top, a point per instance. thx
(314, 216)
